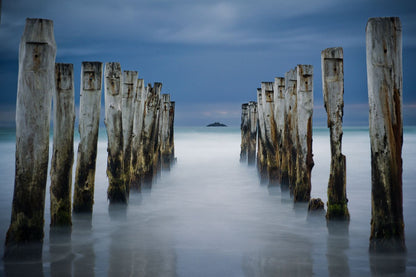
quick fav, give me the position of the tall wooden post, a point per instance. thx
(63, 145)
(245, 131)
(128, 95)
(291, 128)
(35, 88)
(113, 80)
(172, 131)
(332, 64)
(139, 103)
(89, 117)
(164, 132)
(261, 152)
(384, 77)
(252, 116)
(304, 160)
(279, 115)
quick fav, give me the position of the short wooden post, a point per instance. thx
(245, 131)
(252, 117)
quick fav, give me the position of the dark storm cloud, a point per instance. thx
(209, 51)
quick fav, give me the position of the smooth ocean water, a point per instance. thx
(209, 216)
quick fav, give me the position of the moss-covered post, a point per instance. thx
(332, 64)
(384, 77)
(63, 145)
(138, 103)
(245, 132)
(36, 85)
(128, 95)
(279, 115)
(252, 117)
(304, 160)
(113, 80)
(89, 117)
(291, 129)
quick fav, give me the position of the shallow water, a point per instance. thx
(209, 216)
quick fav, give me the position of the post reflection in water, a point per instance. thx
(60, 250)
(83, 245)
(337, 245)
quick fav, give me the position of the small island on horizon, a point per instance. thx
(216, 124)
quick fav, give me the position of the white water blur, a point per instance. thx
(209, 216)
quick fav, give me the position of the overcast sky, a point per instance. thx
(212, 55)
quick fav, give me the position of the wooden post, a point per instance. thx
(117, 192)
(261, 153)
(128, 95)
(139, 103)
(384, 77)
(171, 132)
(304, 160)
(270, 131)
(63, 145)
(332, 64)
(156, 141)
(279, 115)
(291, 129)
(89, 117)
(252, 116)
(149, 134)
(35, 88)
(164, 132)
(245, 132)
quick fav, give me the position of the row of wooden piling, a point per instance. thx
(284, 124)
(139, 122)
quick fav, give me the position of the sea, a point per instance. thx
(210, 216)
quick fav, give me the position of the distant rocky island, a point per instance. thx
(216, 124)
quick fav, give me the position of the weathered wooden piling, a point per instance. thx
(139, 103)
(89, 116)
(149, 134)
(63, 145)
(36, 84)
(156, 141)
(252, 116)
(164, 132)
(384, 77)
(332, 64)
(113, 82)
(172, 131)
(304, 160)
(245, 132)
(128, 95)
(261, 149)
(279, 115)
(291, 130)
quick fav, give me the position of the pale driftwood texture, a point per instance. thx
(36, 84)
(332, 64)
(279, 115)
(384, 77)
(291, 130)
(128, 95)
(89, 117)
(139, 102)
(252, 116)
(304, 161)
(245, 132)
(63, 145)
(113, 82)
